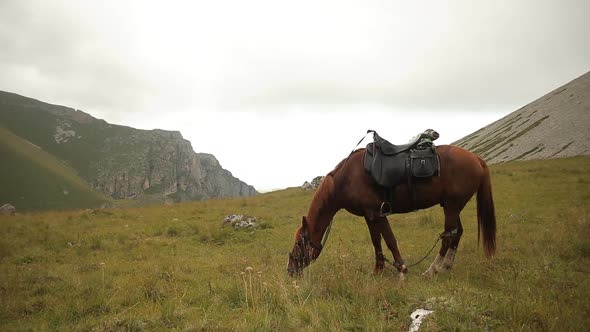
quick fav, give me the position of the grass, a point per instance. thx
(176, 267)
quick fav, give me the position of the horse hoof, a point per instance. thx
(402, 276)
(428, 273)
(403, 269)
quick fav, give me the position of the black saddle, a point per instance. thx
(389, 149)
(391, 164)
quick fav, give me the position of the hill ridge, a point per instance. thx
(552, 126)
(120, 161)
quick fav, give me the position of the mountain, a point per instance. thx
(119, 161)
(31, 179)
(553, 126)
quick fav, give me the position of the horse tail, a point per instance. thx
(486, 215)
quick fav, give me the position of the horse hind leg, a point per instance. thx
(452, 235)
(453, 239)
(435, 266)
(450, 241)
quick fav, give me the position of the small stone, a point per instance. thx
(240, 221)
(8, 209)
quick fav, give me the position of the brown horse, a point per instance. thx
(349, 187)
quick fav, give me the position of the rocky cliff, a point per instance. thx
(553, 126)
(160, 161)
(119, 161)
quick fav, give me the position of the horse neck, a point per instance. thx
(322, 209)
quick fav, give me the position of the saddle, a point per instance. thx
(390, 165)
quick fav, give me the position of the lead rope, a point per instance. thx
(327, 233)
(421, 260)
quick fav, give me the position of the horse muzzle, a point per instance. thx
(294, 267)
(293, 273)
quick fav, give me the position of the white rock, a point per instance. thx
(417, 316)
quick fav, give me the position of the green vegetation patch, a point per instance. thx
(32, 179)
(499, 142)
(534, 150)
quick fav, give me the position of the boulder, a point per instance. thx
(7, 209)
(315, 183)
(306, 186)
(240, 221)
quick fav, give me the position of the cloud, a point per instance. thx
(234, 73)
(146, 57)
(466, 57)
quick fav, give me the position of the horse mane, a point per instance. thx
(340, 164)
(337, 168)
(322, 201)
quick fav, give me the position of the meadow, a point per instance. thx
(178, 268)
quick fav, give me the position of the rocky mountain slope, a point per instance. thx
(119, 161)
(553, 126)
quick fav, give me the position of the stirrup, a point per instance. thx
(385, 209)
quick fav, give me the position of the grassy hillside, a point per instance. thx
(32, 179)
(176, 267)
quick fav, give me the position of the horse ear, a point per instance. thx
(304, 222)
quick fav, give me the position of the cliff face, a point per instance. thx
(225, 184)
(119, 161)
(553, 126)
(161, 161)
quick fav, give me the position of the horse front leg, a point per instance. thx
(376, 240)
(391, 242)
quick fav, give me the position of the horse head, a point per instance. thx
(304, 251)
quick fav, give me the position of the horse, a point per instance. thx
(350, 187)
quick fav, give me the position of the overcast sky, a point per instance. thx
(303, 79)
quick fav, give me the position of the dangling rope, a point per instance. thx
(421, 260)
(327, 233)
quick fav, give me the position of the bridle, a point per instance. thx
(305, 257)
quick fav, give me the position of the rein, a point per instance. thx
(395, 264)
(449, 234)
(327, 233)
